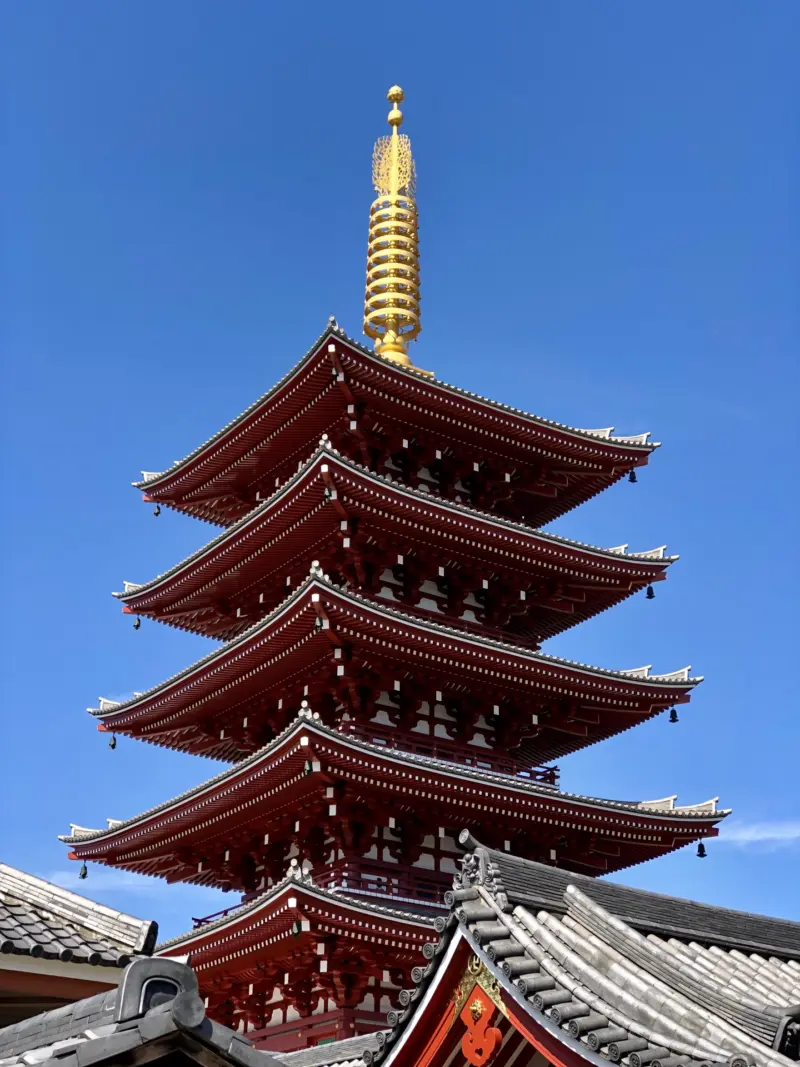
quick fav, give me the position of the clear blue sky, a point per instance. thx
(610, 236)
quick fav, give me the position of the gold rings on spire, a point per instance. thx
(391, 306)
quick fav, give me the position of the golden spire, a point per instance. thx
(391, 306)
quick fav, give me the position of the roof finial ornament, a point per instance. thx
(391, 306)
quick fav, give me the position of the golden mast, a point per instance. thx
(391, 304)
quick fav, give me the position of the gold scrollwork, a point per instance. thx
(477, 973)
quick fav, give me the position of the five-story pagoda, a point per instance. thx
(382, 589)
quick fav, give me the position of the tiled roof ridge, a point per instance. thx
(346, 1052)
(603, 1008)
(654, 555)
(304, 881)
(677, 678)
(137, 1021)
(487, 862)
(657, 958)
(306, 719)
(115, 927)
(569, 971)
(637, 441)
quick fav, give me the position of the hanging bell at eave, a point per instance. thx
(632, 477)
(317, 624)
(673, 715)
(112, 744)
(701, 851)
(83, 871)
(650, 594)
(157, 510)
(137, 623)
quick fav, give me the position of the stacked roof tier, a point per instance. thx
(395, 420)
(382, 590)
(304, 950)
(441, 560)
(393, 678)
(375, 817)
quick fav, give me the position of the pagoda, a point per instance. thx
(380, 591)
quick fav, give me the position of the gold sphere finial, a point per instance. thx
(395, 97)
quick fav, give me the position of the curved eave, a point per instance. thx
(632, 451)
(650, 912)
(538, 542)
(533, 1036)
(228, 926)
(692, 1009)
(677, 685)
(449, 778)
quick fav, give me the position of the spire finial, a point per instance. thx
(391, 307)
(395, 96)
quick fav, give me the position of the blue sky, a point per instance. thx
(609, 236)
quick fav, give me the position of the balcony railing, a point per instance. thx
(482, 759)
(316, 1029)
(215, 915)
(385, 882)
(382, 881)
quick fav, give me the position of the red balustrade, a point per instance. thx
(215, 915)
(362, 878)
(482, 759)
(386, 882)
(316, 1029)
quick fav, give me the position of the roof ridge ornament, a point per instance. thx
(638, 672)
(297, 873)
(391, 303)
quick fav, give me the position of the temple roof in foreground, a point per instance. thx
(590, 972)
(336, 364)
(536, 886)
(44, 921)
(154, 1016)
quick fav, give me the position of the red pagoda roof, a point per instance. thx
(260, 929)
(243, 572)
(328, 391)
(322, 632)
(301, 945)
(293, 778)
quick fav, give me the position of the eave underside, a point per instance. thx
(336, 650)
(358, 525)
(325, 796)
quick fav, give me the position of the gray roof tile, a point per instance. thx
(43, 920)
(612, 988)
(349, 1051)
(106, 1028)
(534, 886)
